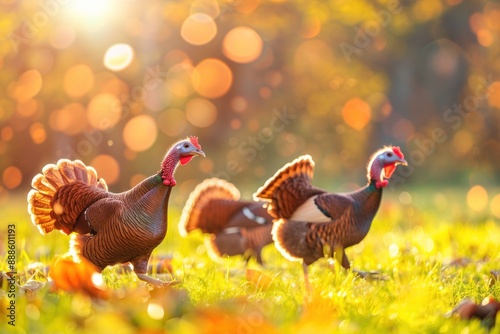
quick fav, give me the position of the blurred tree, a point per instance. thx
(259, 82)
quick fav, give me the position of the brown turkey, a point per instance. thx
(235, 226)
(109, 228)
(312, 223)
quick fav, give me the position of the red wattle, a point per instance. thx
(186, 159)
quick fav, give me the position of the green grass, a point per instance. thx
(412, 246)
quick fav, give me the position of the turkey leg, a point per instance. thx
(140, 268)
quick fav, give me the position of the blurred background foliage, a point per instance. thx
(114, 83)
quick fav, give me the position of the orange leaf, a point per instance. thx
(259, 278)
(80, 276)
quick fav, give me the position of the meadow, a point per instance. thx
(430, 250)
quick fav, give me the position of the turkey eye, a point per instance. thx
(186, 145)
(389, 154)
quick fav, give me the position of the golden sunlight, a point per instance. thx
(212, 78)
(104, 111)
(78, 80)
(198, 29)
(28, 85)
(140, 133)
(12, 177)
(356, 113)
(242, 45)
(201, 112)
(172, 122)
(118, 57)
(477, 198)
(107, 167)
(495, 206)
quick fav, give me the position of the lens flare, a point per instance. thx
(118, 57)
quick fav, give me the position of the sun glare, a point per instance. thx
(90, 9)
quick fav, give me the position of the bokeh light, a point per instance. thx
(27, 108)
(62, 37)
(245, 7)
(38, 133)
(155, 311)
(477, 198)
(78, 80)
(405, 198)
(7, 133)
(356, 113)
(485, 37)
(212, 78)
(43, 61)
(140, 133)
(208, 7)
(104, 111)
(426, 10)
(242, 45)
(201, 112)
(158, 98)
(494, 94)
(118, 57)
(403, 129)
(495, 206)
(198, 29)
(107, 167)
(12, 177)
(311, 27)
(172, 122)
(72, 119)
(463, 141)
(239, 104)
(28, 85)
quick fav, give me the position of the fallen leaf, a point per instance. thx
(486, 312)
(32, 286)
(258, 278)
(82, 276)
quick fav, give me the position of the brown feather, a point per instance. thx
(289, 188)
(236, 226)
(58, 196)
(209, 207)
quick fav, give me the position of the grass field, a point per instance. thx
(432, 251)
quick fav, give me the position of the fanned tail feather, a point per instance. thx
(283, 238)
(219, 245)
(289, 187)
(209, 206)
(45, 185)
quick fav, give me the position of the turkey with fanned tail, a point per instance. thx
(310, 221)
(108, 228)
(235, 226)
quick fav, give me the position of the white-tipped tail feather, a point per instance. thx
(198, 199)
(46, 184)
(277, 238)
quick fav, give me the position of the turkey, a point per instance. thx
(235, 226)
(108, 228)
(312, 223)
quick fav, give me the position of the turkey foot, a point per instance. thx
(374, 275)
(157, 283)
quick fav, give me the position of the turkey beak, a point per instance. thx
(402, 161)
(198, 152)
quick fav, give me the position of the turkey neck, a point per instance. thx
(367, 201)
(150, 195)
